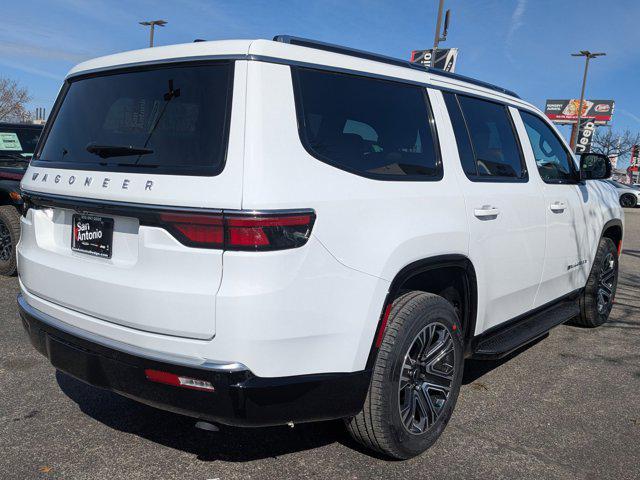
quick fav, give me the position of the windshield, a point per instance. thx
(169, 119)
(618, 184)
(18, 140)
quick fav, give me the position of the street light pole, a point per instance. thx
(588, 56)
(152, 24)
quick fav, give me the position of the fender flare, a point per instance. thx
(421, 266)
(614, 222)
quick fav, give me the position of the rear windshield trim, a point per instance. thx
(164, 170)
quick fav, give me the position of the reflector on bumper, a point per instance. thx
(177, 380)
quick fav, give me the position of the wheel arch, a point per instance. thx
(614, 230)
(452, 267)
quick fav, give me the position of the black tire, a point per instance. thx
(628, 200)
(379, 426)
(602, 282)
(9, 236)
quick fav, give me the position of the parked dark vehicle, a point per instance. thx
(17, 144)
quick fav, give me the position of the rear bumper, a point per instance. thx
(240, 397)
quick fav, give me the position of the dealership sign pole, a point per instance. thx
(436, 57)
(589, 56)
(436, 40)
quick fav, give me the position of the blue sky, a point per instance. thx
(523, 45)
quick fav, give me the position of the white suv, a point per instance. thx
(271, 232)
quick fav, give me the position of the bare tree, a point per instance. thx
(13, 101)
(612, 143)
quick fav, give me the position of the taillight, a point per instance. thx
(267, 231)
(196, 230)
(250, 231)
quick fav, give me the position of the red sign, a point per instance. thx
(566, 111)
(635, 159)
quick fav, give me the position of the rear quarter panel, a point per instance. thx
(373, 226)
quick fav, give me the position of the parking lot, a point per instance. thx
(566, 407)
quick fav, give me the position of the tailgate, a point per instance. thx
(151, 281)
(124, 151)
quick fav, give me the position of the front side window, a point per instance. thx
(370, 127)
(554, 161)
(495, 146)
(169, 119)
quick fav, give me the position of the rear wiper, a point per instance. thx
(14, 157)
(136, 165)
(106, 151)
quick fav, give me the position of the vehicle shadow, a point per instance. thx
(631, 253)
(230, 444)
(176, 431)
(234, 444)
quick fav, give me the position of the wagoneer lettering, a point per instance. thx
(378, 223)
(88, 181)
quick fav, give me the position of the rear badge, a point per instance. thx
(88, 181)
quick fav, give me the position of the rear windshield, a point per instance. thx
(170, 120)
(18, 140)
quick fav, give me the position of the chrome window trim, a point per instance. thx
(495, 96)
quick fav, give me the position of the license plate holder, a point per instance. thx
(92, 235)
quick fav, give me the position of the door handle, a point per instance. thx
(558, 207)
(486, 211)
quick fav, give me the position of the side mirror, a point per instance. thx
(594, 166)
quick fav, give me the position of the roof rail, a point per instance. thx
(353, 52)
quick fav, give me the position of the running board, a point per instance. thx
(501, 341)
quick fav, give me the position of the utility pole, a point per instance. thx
(152, 24)
(588, 56)
(437, 39)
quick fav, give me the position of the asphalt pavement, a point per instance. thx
(566, 407)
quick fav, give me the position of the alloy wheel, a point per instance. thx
(606, 284)
(627, 201)
(426, 378)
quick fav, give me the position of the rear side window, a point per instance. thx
(465, 150)
(491, 139)
(170, 119)
(374, 128)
